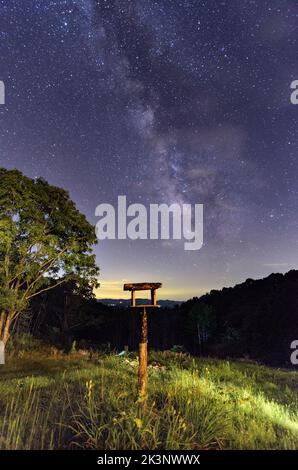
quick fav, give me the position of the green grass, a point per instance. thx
(69, 401)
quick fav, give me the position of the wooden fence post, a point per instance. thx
(143, 356)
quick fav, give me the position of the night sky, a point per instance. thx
(162, 101)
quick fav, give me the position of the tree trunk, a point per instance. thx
(66, 309)
(6, 320)
(2, 321)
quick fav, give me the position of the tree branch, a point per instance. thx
(45, 289)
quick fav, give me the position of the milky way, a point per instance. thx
(162, 101)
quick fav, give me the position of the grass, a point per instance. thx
(71, 401)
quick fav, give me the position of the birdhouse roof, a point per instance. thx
(142, 286)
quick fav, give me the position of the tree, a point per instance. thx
(59, 314)
(201, 315)
(44, 242)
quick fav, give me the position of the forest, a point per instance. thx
(256, 320)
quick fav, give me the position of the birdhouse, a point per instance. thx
(140, 286)
(143, 345)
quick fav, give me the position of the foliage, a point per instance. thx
(256, 319)
(44, 241)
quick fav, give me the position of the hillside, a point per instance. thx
(50, 400)
(257, 319)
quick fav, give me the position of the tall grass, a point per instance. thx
(71, 402)
(26, 422)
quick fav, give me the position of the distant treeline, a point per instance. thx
(257, 319)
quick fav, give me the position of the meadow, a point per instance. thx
(50, 400)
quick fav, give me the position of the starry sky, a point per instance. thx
(162, 101)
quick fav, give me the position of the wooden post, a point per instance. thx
(143, 344)
(143, 356)
(133, 298)
(153, 297)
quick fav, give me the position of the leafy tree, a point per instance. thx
(44, 242)
(201, 315)
(59, 314)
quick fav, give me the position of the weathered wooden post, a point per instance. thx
(143, 355)
(143, 345)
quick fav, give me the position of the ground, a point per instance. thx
(57, 401)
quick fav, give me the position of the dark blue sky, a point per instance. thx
(163, 101)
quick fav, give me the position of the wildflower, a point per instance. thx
(138, 422)
(89, 389)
